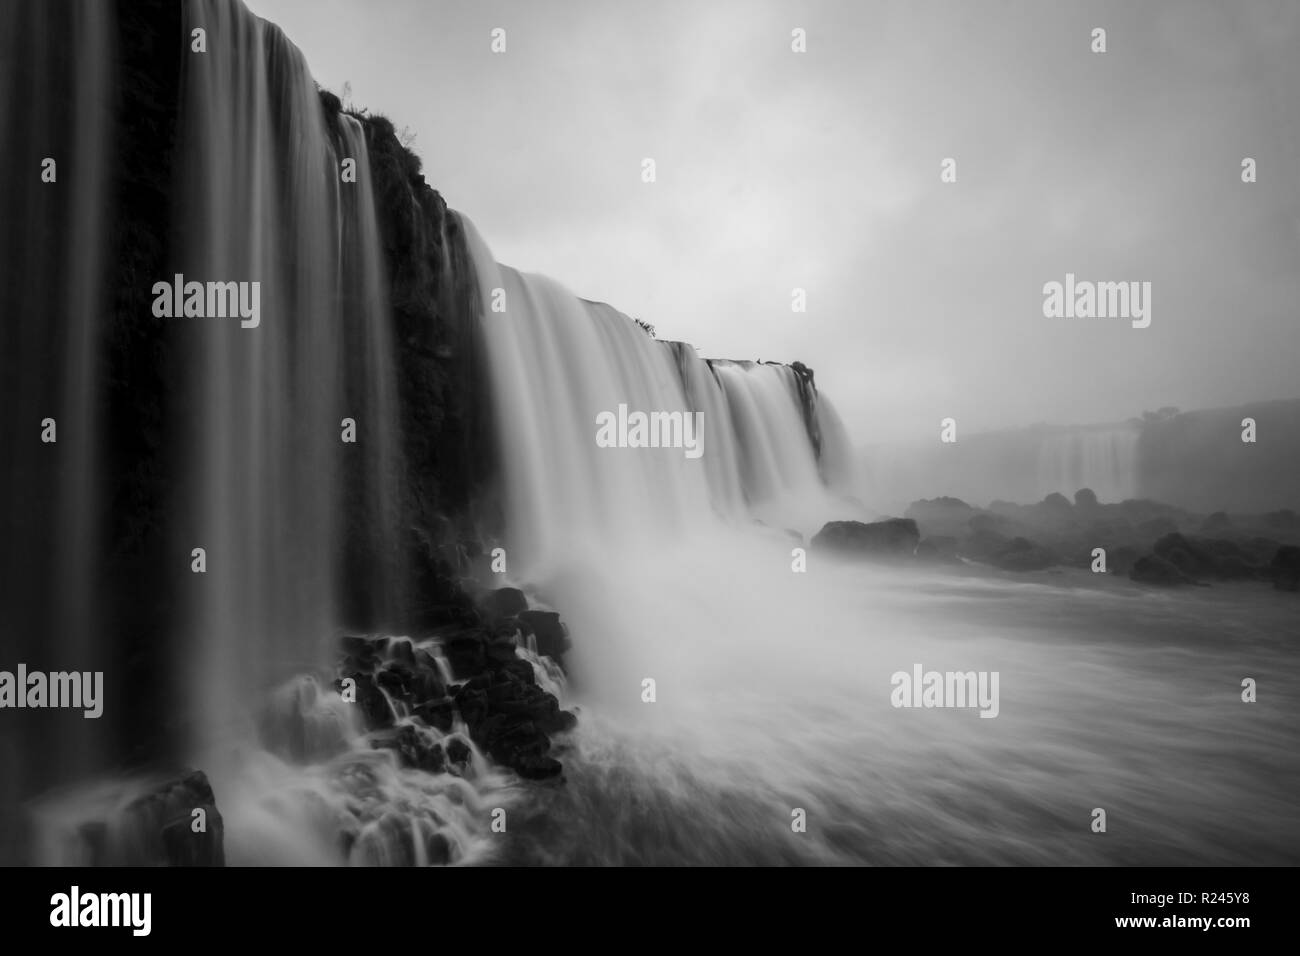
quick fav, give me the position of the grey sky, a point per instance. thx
(821, 170)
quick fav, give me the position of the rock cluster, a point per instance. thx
(470, 672)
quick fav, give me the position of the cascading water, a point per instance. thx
(559, 362)
(259, 175)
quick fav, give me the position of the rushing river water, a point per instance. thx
(773, 693)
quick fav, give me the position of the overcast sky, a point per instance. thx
(821, 170)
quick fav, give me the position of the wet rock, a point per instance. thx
(401, 649)
(360, 653)
(466, 654)
(473, 705)
(457, 750)
(1153, 569)
(1021, 554)
(1085, 499)
(502, 603)
(437, 850)
(499, 652)
(891, 538)
(160, 826)
(393, 680)
(520, 670)
(539, 768)
(1190, 557)
(551, 635)
(984, 543)
(437, 713)
(414, 749)
(375, 709)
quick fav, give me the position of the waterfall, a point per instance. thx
(264, 202)
(558, 363)
(1103, 459)
(56, 107)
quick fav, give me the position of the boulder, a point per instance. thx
(466, 653)
(1190, 557)
(502, 603)
(156, 829)
(413, 748)
(549, 631)
(437, 713)
(891, 538)
(1153, 569)
(375, 709)
(1021, 554)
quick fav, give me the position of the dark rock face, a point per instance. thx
(407, 705)
(891, 538)
(550, 633)
(375, 709)
(502, 603)
(158, 828)
(1153, 569)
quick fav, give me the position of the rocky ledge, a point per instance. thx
(1149, 542)
(468, 671)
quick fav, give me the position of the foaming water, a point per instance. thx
(773, 693)
(301, 784)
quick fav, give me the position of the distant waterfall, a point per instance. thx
(264, 202)
(1103, 459)
(558, 362)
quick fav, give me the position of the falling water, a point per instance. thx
(265, 202)
(55, 105)
(559, 362)
(1103, 459)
